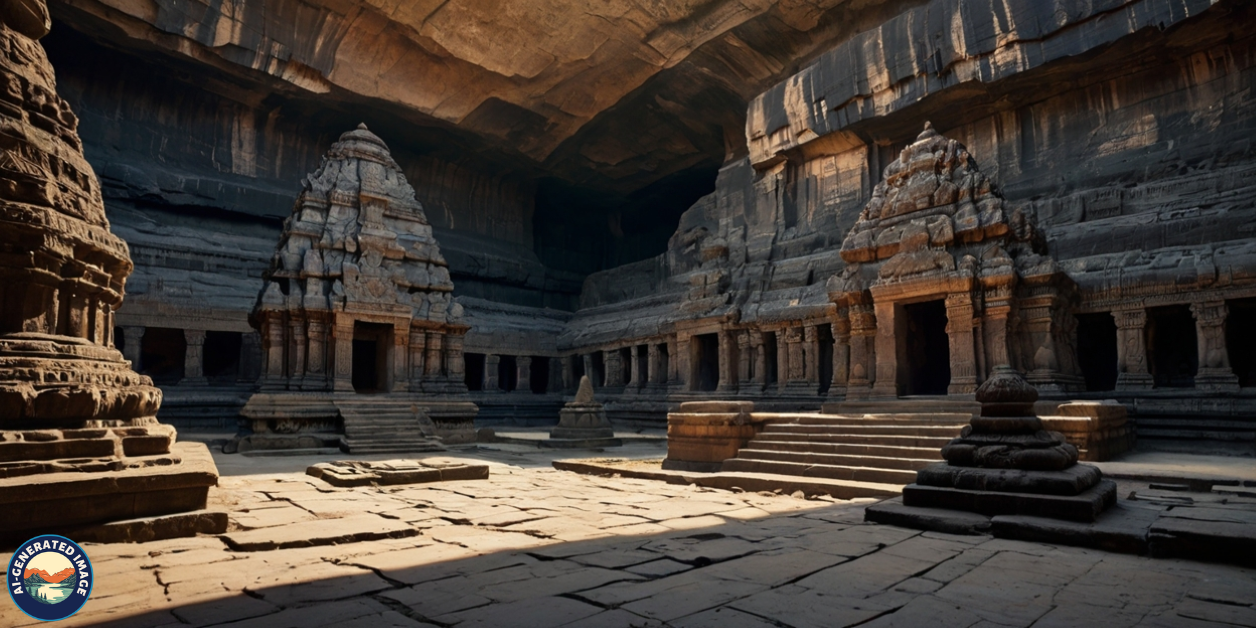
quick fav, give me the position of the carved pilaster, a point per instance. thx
(316, 355)
(959, 331)
(863, 356)
(343, 375)
(298, 342)
(1131, 337)
(782, 360)
(433, 362)
(523, 374)
(727, 362)
(841, 357)
(654, 365)
(194, 358)
(745, 357)
(811, 356)
(759, 361)
(492, 381)
(886, 385)
(614, 364)
(679, 375)
(418, 354)
(1214, 371)
(455, 362)
(251, 357)
(634, 370)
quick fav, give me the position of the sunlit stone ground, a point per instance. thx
(533, 546)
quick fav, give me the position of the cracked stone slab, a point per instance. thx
(320, 532)
(350, 473)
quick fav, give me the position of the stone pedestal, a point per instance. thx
(582, 423)
(1099, 429)
(703, 434)
(1004, 463)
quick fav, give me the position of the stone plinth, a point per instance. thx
(703, 434)
(1006, 463)
(582, 423)
(1099, 429)
(80, 444)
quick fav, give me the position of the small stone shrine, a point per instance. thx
(582, 423)
(944, 284)
(361, 337)
(1005, 463)
(80, 444)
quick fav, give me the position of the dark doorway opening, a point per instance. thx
(577, 369)
(665, 363)
(706, 362)
(508, 373)
(370, 357)
(824, 357)
(538, 375)
(927, 349)
(769, 357)
(1173, 346)
(1096, 350)
(474, 365)
(625, 365)
(597, 370)
(1240, 340)
(643, 364)
(162, 354)
(222, 356)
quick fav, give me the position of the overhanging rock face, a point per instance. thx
(356, 315)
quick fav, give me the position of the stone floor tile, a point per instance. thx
(693, 523)
(723, 617)
(926, 610)
(774, 568)
(562, 580)
(1221, 613)
(659, 568)
(221, 609)
(1002, 596)
(702, 549)
(1075, 614)
(693, 597)
(317, 615)
(315, 583)
(866, 575)
(538, 612)
(318, 532)
(616, 557)
(387, 619)
(804, 608)
(267, 517)
(441, 597)
(618, 618)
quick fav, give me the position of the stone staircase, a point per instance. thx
(387, 428)
(873, 448)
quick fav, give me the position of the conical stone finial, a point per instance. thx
(362, 126)
(585, 393)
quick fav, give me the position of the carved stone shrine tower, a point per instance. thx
(360, 334)
(80, 444)
(943, 285)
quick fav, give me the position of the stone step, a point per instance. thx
(1185, 433)
(941, 418)
(395, 447)
(840, 489)
(814, 458)
(948, 431)
(860, 439)
(834, 472)
(850, 449)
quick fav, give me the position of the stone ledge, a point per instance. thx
(1084, 507)
(349, 473)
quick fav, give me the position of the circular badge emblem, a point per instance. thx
(49, 577)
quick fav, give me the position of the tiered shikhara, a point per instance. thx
(79, 440)
(357, 260)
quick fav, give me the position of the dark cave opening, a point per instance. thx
(926, 348)
(1097, 350)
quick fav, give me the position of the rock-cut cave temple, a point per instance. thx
(347, 216)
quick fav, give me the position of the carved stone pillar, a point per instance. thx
(418, 354)
(1214, 371)
(863, 356)
(811, 356)
(727, 362)
(298, 342)
(523, 374)
(272, 336)
(886, 385)
(492, 382)
(745, 361)
(343, 376)
(433, 363)
(679, 376)
(569, 371)
(998, 310)
(133, 344)
(194, 358)
(841, 357)
(316, 355)
(654, 365)
(251, 357)
(1131, 345)
(634, 370)
(399, 378)
(959, 332)
(557, 371)
(782, 360)
(455, 363)
(614, 364)
(760, 361)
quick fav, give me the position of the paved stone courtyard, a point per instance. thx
(532, 546)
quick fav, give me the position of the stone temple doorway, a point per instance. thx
(706, 362)
(926, 351)
(370, 357)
